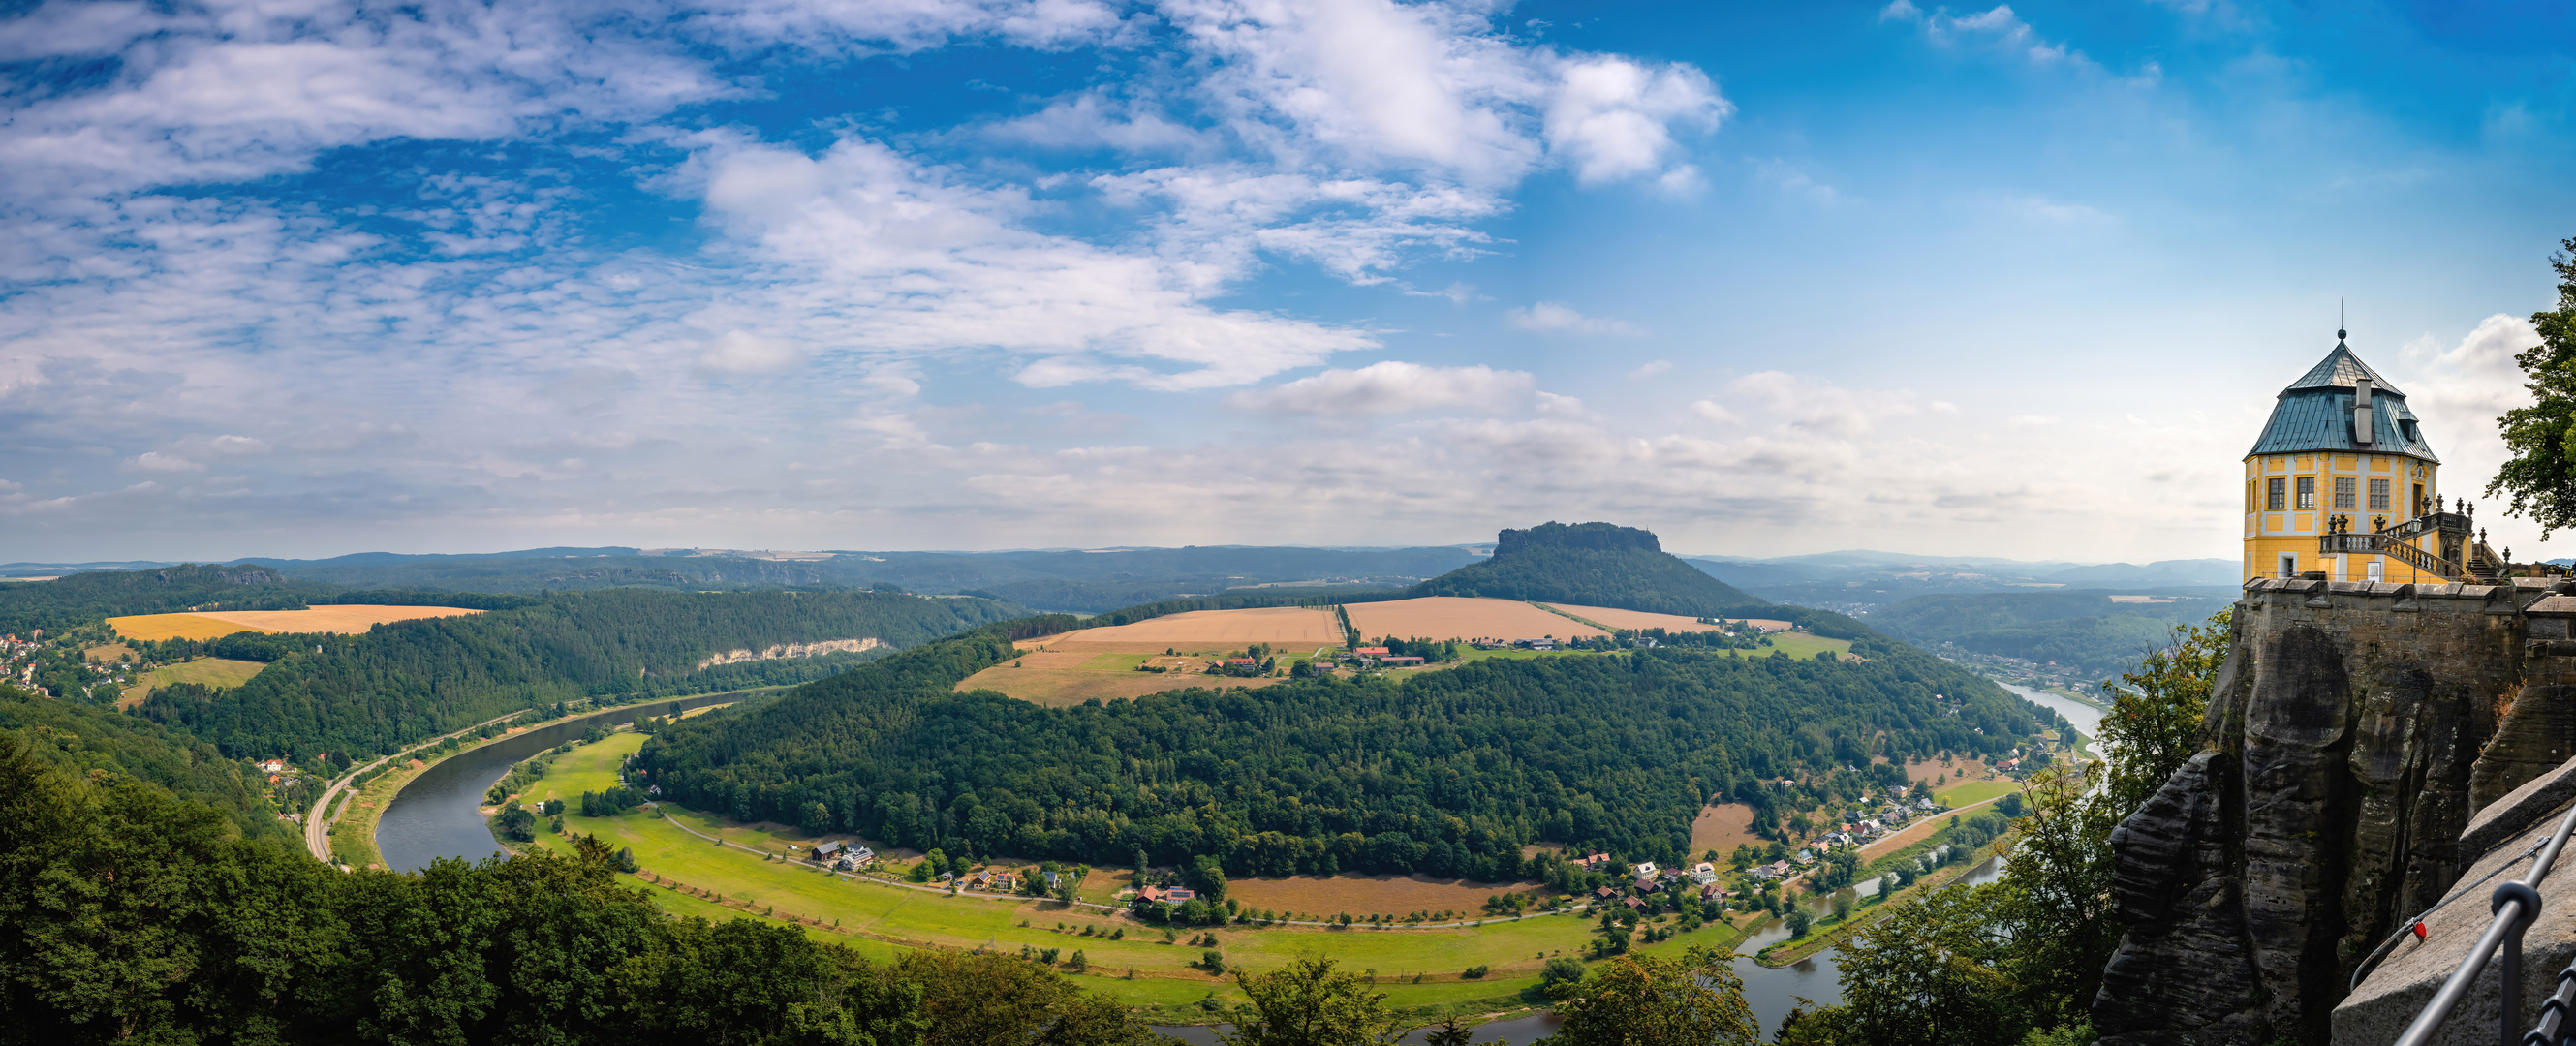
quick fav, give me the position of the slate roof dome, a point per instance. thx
(2317, 413)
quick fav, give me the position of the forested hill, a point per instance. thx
(1448, 772)
(402, 682)
(1590, 564)
(84, 598)
(2086, 631)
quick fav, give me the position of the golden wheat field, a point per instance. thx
(175, 626)
(350, 617)
(1453, 617)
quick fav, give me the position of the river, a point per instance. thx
(2087, 719)
(439, 814)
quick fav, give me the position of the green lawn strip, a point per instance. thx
(1116, 662)
(1974, 792)
(1576, 618)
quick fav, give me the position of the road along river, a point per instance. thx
(439, 814)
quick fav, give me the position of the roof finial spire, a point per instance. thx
(2339, 331)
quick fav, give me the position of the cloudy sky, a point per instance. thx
(307, 277)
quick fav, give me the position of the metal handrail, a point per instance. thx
(2516, 904)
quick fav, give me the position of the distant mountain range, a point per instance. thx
(1858, 580)
(1103, 578)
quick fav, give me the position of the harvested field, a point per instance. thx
(1057, 678)
(1722, 828)
(110, 652)
(1640, 619)
(1956, 770)
(176, 626)
(1205, 630)
(1454, 617)
(351, 617)
(1358, 894)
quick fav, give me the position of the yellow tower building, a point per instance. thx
(2341, 485)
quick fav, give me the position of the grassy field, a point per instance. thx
(1128, 959)
(1974, 792)
(210, 671)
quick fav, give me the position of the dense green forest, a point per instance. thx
(1448, 773)
(128, 915)
(401, 682)
(1590, 564)
(2082, 630)
(80, 738)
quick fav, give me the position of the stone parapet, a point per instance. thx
(2388, 1000)
(2352, 731)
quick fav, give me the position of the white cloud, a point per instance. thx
(1556, 317)
(1997, 27)
(155, 461)
(873, 250)
(1395, 387)
(1613, 117)
(737, 352)
(1434, 87)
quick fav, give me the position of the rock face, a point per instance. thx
(2344, 740)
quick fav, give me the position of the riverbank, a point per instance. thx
(352, 828)
(1866, 911)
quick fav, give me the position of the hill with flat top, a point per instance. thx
(1591, 564)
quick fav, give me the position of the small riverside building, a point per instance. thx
(2341, 485)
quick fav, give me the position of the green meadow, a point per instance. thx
(879, 915)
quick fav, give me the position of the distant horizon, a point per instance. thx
(716, 550)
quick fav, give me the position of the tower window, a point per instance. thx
(2307, 493)
(2276, 494)
(2379, 495)
(2345, 501)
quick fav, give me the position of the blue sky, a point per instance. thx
(312, 278)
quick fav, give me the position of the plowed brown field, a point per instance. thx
(1722, 828)
(1357, 894)
(1453, 617)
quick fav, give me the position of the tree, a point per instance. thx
(1932, 974)
(1646, 1000)
(972, 999)
(2154, 725)
(1306, 1003)
(2540, 479)
(1207, 877)
(1799, 920)
(1449, 1032)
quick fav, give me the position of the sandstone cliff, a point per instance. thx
(2353, 730)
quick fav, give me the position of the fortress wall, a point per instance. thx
(2342, 760)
